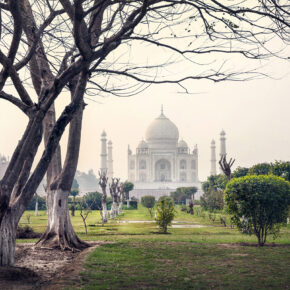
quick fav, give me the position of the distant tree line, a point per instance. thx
(214, 186)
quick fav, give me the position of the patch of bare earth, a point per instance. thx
(44, 268)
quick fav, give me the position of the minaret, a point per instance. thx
(212, 158)
(223, 144)
(195, 153)
(110, 160)
(104, 153)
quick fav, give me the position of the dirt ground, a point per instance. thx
(44, 268)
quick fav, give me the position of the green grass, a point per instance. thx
(137, 256)
(184, 265)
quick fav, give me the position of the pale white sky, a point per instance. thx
(254, 114)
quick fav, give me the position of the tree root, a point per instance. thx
(61, 241)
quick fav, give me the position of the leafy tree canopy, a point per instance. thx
(127, 187)
(259, 201)
(182, 193)
(214, 182)
(41, 203)
(282, 169)
(148, 201)
(260, 169)
(93, 201)
(240, 172)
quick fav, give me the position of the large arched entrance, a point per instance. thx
(162, 170)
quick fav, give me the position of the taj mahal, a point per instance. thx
(162, 162)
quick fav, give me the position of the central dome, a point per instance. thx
(162, 129)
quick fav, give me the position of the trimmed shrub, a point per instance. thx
(148, 201)
(258, 203)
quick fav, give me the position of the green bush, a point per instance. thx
(182, 193)
(258, 203)
(212, 200)
(133, 204)
(41, 203)
(165, 213)
(148, 201)
(26, 232)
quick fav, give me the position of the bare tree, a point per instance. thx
(114, 193)
(121, 197)
(103, 181)
(226, 166)
(85, 210)
(66, 46)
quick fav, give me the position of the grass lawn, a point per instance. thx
(137, 256)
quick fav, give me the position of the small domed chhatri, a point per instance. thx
(143, 144)
(182, 144)
(161, 163)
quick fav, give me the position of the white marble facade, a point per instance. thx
(162, 161)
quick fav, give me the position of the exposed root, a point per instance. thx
(63, 242)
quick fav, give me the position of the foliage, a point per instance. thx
(133, 204)
(281, 169)
(26, 232)
(260, 169)
(212, 200)
(196, 202)
(214, 182)
(74, 192)
(182, 193)
(148, 201)
(240, 172)
(92, 200)
(41, 203)
(262, 202)
(165, 213)
(127, 187)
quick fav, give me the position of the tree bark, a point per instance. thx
(54, 234)
(7, 239)
(114, 210)
(59, 232)
(104, 212)
(36, 204)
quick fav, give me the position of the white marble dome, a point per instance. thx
(162, 129)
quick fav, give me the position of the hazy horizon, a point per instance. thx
(254, 115)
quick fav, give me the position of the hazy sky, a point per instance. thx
(254, 114)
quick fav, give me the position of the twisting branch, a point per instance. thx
(23, 107)
(226, 166)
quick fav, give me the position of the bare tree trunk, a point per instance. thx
(114, 210)
(7, 240)
(104, 212)
(103, 184)
(59, 231)
(36, 204)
